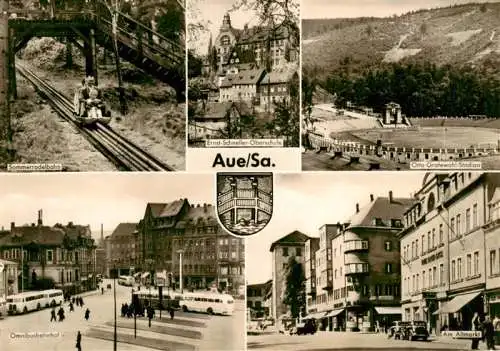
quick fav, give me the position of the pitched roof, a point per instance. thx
(294, 237)
(42, 235)
(381, 208)
(168, 209)
(124, 229)
(280, 75)
(243, 77)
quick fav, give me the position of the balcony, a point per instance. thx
(355, 245)
(356, 268)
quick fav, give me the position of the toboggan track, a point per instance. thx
(123, 153)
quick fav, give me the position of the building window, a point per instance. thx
(298, 251)
(469, 265)
(434, 275)
(423, 244)
(388, 268)
(459, 268)
(388, 246)
(493, 262)
(413, 250)
(285, 251)
(459, 227)
(453, 271)
(430, 278)
(441, 274)
(476, 263)
(452, 229)
(416, 248)
(441, 239)
(50, 257)
(423, 280)
(474, 216)
(433, 242)
(467, 220)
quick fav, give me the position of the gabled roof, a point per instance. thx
(42, 235)
(280, 75)
(166, 209)
(124, 229)
(381, 208)
(243, 77)
(294, 237)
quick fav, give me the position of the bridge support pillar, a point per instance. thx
(5, 86)
(91, 56)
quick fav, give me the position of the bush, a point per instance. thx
(44, 52)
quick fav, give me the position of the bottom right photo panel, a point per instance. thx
(393, 260)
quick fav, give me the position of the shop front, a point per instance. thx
(458, 311)
(385, 316)
(337, 319)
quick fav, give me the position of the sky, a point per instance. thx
(306, 201)
(95, 198)
(369, 8)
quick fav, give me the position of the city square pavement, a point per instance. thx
(187, 331)
(323, 341)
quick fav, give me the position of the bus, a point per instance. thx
(3, 308)
(144, 297)
(207, 302)
(53, 297)
(25, 302)
(126, 280)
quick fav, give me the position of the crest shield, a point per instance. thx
(244, 202)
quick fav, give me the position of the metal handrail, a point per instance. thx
(156, 48)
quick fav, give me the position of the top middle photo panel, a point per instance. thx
(400, 85)
(243, 73)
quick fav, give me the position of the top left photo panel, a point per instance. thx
(92, 85)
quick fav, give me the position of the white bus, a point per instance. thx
(209, 302)
(126, 280)
(3, 308)
(25, 302)
(53, 297)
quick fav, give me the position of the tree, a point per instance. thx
(295, 289)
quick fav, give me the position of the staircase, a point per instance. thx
(148, 50)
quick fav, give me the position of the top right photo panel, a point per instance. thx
(400, 85)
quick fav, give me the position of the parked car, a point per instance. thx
(306, 327)
(411, 330)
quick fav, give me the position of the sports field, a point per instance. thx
(431, 137)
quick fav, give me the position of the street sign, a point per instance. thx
(463, 334)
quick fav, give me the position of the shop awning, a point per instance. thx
(388, 310)
(145, 275)
(456, 304)
(335, 313)
(316, 315)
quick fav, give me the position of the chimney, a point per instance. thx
(12, 225)
(390, 196)
(102, 233)
(205, 208)
(371, 198)
(357, 208)
(40, 217)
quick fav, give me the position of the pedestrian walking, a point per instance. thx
(61, 314)
(87, 314)
(53, 315)
(73, 300)
(102, 291)
(151, 313)
(81, 301)
(489, 333)
(476, 325)
(79, 341)
(172, 312)
(71, 307)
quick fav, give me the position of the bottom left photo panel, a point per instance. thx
(94, 261)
